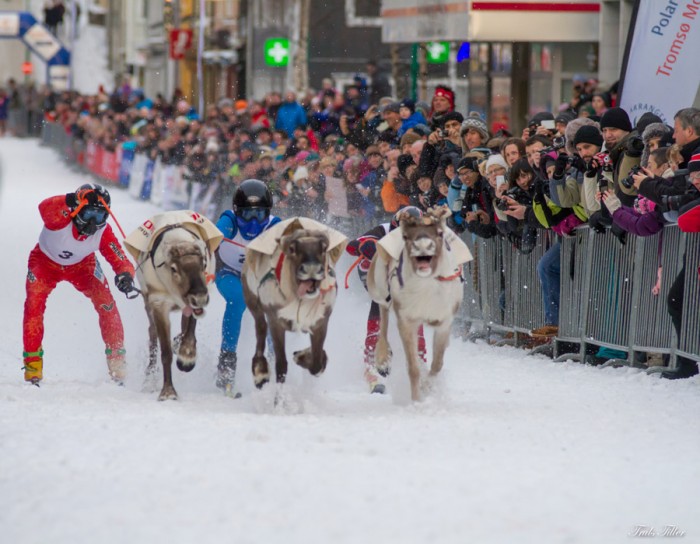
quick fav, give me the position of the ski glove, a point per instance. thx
(124, 282)
(561, 163)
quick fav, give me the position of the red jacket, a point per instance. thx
(56, 215)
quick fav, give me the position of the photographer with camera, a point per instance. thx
(624, 147)
(446, 138)
(470, 199)
(571, 178)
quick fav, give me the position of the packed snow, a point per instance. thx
(507, 449)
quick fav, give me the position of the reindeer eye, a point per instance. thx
(173, 269)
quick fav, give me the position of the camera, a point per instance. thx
(675, 202)
(441, 133)
(635, 146)
(558, 143)
(628, 181)
(502, 204)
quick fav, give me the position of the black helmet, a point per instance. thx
(410, 210)
(90, 203)
(252, 193)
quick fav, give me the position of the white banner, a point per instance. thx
(662, 74)
(9, 24)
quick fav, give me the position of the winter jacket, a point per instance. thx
(290, 116)
(636, 223)
(415, 119)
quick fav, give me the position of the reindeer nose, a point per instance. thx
(311, 270)
(198, 300)
(424, 246)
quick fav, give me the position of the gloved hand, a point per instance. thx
(72, 200)
(560, 165)
(598, 222)
(593, 167)
(124, 282)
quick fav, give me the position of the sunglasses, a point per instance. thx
(259, 214)
(98, 214)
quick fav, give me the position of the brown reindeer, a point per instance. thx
(289, 285)
(174, 251)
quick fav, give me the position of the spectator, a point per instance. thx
(290, 115)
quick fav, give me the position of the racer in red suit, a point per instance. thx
(75, 226)
(364, 247)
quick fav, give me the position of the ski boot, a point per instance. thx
(33, 366)
(226, 375)
(116, 364)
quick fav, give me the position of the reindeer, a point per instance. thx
(289, 285)
(174, 252)
(417, 271)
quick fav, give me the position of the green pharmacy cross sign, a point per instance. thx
(277, 52)
(437, 52)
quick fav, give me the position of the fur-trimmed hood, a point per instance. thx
(654, 130)
(572, 129)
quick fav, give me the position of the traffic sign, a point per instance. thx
(277, 51)
(437, 52)
(27, 68)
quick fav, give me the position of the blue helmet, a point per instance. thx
(252, 202)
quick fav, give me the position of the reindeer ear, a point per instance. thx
(324, 243)
(289, 245)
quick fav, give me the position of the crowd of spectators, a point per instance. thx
(352, 158)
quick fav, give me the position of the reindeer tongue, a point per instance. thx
(305, 286)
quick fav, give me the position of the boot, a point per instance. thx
(226, 368)
(116, 364)
(33, 366)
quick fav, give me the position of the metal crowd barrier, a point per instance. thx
(689, 345)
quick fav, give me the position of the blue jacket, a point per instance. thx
(290, 116)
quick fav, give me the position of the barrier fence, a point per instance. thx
(607, 295)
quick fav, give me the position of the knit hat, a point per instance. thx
(446, 92)
(564, 117)
(474, 121)
(468, 163)
(409, 138)
(588, 134)
(496, 159)
(408, 103)
(301, 173)
(645, 120)
(372, 150)
(654, 130)
(616, 118)
(403, 162)
(541, 116)
(694, 163)
(571, 130)
(452, 116)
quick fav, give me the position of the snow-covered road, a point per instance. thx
(508, 449)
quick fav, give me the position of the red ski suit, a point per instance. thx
(63, 255)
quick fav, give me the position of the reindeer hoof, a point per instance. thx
(383, 370)
(185, 366)
(167, 393)
(303, 358)
(261, 371)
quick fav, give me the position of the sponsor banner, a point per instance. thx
(104, 164)
(42, 42)
(9, 25)
(660, 72)
(127, 160)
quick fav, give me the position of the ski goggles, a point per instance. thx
(100, 215)
(259, 214)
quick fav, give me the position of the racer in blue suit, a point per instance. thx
(249, 217)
